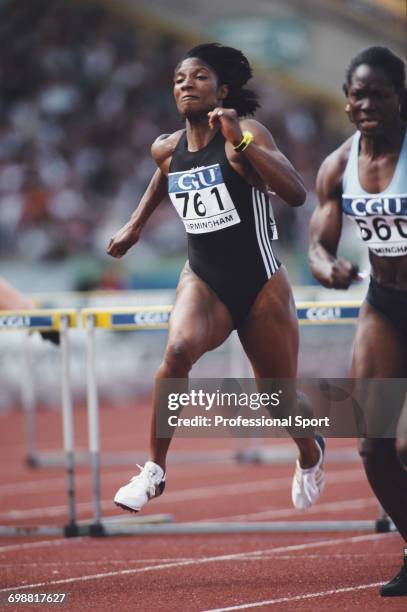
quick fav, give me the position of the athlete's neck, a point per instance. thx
(379, 144)
(199, 134)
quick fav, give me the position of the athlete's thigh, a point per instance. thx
(270, 333)
(402, 432)
(379, 351)
(198, 317)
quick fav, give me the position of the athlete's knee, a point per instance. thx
(178, 359)
(401, 447)
(374, 450)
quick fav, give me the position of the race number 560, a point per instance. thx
(381, 229)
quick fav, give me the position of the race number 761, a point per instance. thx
(198, 206)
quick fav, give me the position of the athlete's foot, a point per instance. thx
(141, 488)
(309, 482)
(397, 587)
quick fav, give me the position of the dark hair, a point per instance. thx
(391, 64)
(232, 69)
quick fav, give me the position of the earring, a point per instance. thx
(347, 108)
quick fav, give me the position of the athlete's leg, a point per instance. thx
(199, 322)
(270, 339)
(379, 353)
(401, 440)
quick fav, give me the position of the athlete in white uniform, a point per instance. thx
(366, 178)
(381, 217)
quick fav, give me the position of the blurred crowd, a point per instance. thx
(84, 91)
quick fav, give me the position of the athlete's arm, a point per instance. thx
(262, 154)
(129, 234)
(326, 228)
(12, 299)
(161, 150)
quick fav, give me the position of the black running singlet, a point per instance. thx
(229, 224)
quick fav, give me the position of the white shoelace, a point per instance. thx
(146, 475)
(310, 486)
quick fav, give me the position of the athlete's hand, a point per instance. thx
(123, 240)
(342, 274)
(229, 124)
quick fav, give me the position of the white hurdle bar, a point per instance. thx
(153, 318)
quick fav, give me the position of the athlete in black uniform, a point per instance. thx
(219, 171)
(236, 262)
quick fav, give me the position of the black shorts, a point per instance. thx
(391, 303)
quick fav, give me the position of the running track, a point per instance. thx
(278, 572)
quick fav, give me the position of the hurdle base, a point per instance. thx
(79, 530)
(32, 460)
(96, 530)
(286, 453)
(216, 528)
(118, 525)
(385, 525)
(72, 530)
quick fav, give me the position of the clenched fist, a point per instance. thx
(229, 124)
(342, 274)
(123, 240)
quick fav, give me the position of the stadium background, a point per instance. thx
(85, 87)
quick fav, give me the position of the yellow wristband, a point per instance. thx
(244, 143)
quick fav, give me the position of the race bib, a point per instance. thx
(382, 222)
(202, 199)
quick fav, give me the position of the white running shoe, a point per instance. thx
(148, 484)
(309, 483)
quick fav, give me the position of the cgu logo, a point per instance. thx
(380, 206)
(151, 318)
(14, 322)
(323, 313)
(197, 180)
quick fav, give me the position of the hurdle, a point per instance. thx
(153, 318)
(49, 320)
(62, 320)
(149, 317)
(120, 319)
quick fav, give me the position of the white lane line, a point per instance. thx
(250, 557)
(102, 562)
(221, 490)
(49, 484)
(110, 474)
(203, 560)
(392, 555)
(335, 506)
(57, 484)
(39, 544)
(270, 602)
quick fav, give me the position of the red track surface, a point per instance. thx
(279, 572)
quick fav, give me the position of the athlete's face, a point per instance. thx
(196, 89)
(373, 102)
